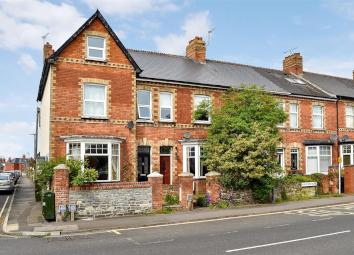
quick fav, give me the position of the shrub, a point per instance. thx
(262, 188)
(202, 201)
(171, 199)
(222, 204)
(86, 176)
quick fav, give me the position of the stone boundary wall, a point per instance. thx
(111, 199)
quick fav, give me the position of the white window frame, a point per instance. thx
(315, 114)
(281, 105)
(167, 106)
(197, 146)
(351, 154)
(208, 98)
(318, 157)
(96, 48)
(95, 101)
(296, 113)
(347, 115)
(281, 152)
(295, 151)
(142, 105)
(109, 143)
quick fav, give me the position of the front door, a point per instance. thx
(165, 168)
(143, 163)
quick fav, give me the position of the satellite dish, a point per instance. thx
(345, 138)
(333, 138)
(187, 135)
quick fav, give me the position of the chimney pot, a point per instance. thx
(293, 64)
(47, 50)
(196, 49)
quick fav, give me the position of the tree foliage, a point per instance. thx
(243, 137)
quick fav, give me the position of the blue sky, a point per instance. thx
(254, 32)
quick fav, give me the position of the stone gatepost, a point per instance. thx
(156, 180)
(213, 186)
(349, 179)
(61, 186)
(186, 190)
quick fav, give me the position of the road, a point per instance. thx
(3, 197)
(318, 231)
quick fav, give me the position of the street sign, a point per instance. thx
(309, 184)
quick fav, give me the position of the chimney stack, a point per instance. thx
(196, 49)
(292, 64)
(47, 50)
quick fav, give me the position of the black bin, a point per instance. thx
(48, 206)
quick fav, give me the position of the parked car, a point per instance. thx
(11, 174)
(6, 182)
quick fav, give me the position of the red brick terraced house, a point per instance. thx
(130, 112)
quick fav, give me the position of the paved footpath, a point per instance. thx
(26, 214)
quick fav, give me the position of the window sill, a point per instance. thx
(144, 121)
(94, 118)
(199, 178)
(167, 121)
(96, 60)
(202, 122)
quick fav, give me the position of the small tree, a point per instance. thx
(243, 137)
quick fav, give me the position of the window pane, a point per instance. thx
(203, 167)
(293, 108)
(143, 97)
(325, 150)
(317, 109)
(100, 163)
(325, 162)
(317, 121)
(349, 121)
(199, 99)
(97, 42)
(293, 120)
(191, 165)
(346, 160)
(165, 99)
(165, 113)
(94, 93)
(347, 148)
(349, 110)
(94, 53)
(144, 112)
(74, 151)
(94, 109)
(312, 165)
(165, 149)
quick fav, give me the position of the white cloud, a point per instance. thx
(132, 7)
(121, 34)
(194, 25)
(27, 63)
(15, 138)
(23, 22)
(331, 66)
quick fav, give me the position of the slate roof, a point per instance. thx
(166, 67)
(339, 86)
(173, 68)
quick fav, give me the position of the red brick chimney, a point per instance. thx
(196, 49)
(293, 64)
(47, 50)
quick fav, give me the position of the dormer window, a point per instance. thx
(96, 48)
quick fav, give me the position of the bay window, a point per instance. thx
(102, 155)
(349, 116)
(96, 48)
(317, 116)
(165, 106)
(318, 159)
(144, 104)
(193, 159)
(94, 100)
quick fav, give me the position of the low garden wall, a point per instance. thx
(111, 199)
(296, 191)
(237, 197)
